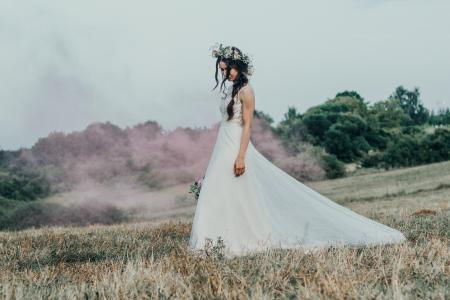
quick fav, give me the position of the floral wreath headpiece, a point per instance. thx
(217, 50)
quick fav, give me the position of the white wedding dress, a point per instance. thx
(267, 208)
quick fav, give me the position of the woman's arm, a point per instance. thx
(248, 106)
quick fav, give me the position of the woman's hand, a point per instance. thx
(239, 166)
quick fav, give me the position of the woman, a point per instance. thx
(252, 205)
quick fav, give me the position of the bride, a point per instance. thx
(250, 204)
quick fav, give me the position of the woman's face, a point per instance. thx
(233, 74)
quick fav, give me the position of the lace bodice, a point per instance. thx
(237, 108)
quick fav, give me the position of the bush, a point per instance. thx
(406, 150)
(19, 215)
(372, 159)
(401, 151)
(22, 186)
(346, 140)
(435, 147)
(333, 167)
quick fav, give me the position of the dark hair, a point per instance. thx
(219, 59)
(240, 81)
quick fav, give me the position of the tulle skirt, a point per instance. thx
(267, 208)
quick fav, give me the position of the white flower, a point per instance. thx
(218, 50)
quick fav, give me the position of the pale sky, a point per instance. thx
(66, 64)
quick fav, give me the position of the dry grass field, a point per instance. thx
(147, 260)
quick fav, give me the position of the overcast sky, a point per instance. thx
(66, 64)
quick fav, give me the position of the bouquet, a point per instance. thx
(196, 187)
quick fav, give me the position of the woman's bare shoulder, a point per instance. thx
(247, 92)
(247, 88)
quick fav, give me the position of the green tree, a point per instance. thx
(441, 117)
(411, 104)
(346, 138)
(291, 130)
(402, 151)
(389, 114)
(435, 147)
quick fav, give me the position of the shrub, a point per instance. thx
(333, 167)
(38, 213)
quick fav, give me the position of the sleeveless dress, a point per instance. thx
(267, 208)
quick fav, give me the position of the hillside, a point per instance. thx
(139, 260)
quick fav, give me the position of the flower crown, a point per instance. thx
(226, 52)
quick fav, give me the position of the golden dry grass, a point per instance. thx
(140, 261)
